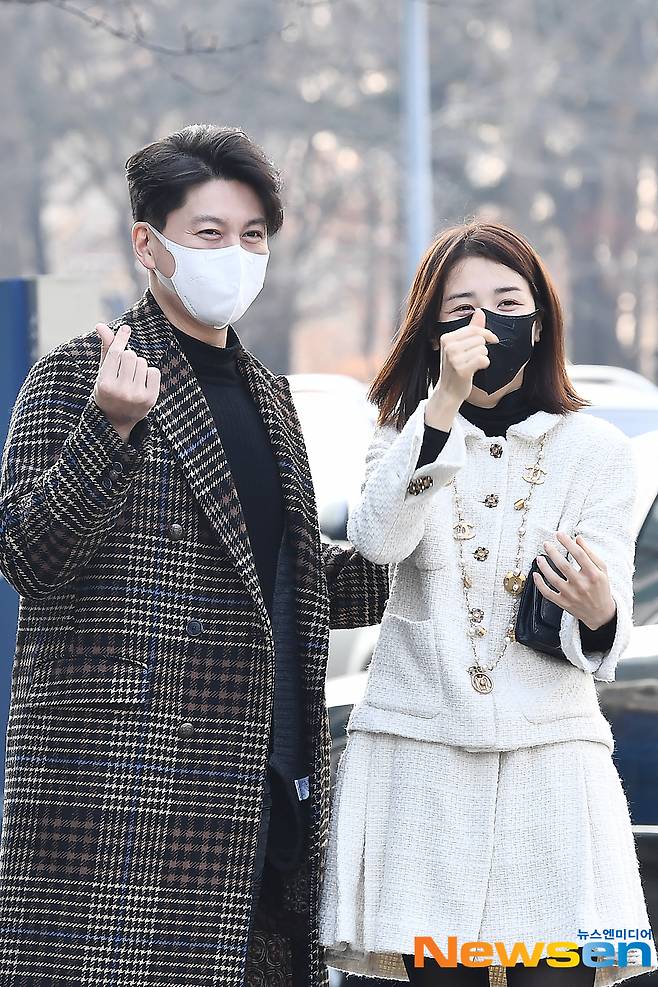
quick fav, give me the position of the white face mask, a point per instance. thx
(216, 285)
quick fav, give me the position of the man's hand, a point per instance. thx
(126, 387)
(585, 592)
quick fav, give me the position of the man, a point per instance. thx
(157, 517)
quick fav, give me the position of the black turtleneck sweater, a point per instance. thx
(247, 446)
(513, 408)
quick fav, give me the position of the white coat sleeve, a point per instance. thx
(388, 521)
(606, 525)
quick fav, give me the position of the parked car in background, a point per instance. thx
(584, 374)
(621, 396)
(645, 583)
(337, 422)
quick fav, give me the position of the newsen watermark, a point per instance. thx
(560, 953)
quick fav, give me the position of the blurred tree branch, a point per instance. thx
(135, 33)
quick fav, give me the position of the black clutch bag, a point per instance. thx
(538, 619)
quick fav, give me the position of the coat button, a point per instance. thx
(194, 628)
(176, 532)
(117, 465)
(496, 450)
(491, 500)
(106, 482)
(114, 474)
(481, 553)
(186, 730)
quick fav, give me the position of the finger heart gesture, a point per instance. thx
(126, 386)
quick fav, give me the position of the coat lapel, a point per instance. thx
(274, 401)
(182, 414)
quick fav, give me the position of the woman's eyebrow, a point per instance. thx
(464, 294)
(470, 294)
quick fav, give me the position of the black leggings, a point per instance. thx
(542, 975)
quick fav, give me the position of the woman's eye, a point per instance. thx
(510, 301)
(463, 309)
(255, 233)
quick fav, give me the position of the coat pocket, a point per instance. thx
(99, 664)
(86, 681)
(403, 675)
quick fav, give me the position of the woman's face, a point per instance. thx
(476, 282)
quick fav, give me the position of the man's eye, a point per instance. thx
(255, 233)
(209, 231)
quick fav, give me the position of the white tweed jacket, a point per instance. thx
(418, 684)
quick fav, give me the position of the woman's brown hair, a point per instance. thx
(412, 365)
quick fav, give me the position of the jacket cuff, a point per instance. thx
(89, 482)
(601, 639)
(440, 471)
(601, 663)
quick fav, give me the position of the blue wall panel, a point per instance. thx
(17, 321)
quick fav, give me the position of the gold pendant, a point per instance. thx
(534, 474)
(514, 582)
(463, 531)
(519, 504)
(467, 581)
(480, 681)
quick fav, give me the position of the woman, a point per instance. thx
(477, 797)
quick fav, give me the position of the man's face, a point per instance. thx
(217, 214)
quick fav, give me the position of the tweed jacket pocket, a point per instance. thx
(403, 675)
(552, 689)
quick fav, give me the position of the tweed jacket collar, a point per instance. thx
(533, 427)
(183, 415)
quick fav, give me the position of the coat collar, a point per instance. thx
(532, 427)
(182, 414)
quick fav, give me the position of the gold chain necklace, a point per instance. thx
(513, 581)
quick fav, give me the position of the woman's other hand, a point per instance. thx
(585, 592)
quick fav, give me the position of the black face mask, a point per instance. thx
(507, 356)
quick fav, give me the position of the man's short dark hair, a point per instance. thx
(161, 174)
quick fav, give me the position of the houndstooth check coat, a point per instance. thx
(129, 840)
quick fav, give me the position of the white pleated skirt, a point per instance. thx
(532, 845)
